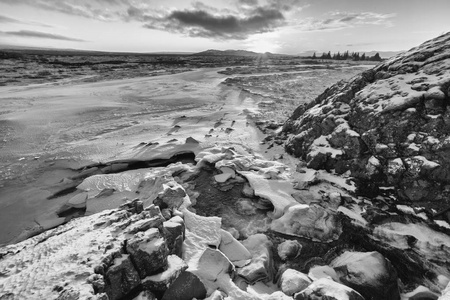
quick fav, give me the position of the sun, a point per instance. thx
(263, 46)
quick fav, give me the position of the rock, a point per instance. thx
(186, 287)
(97, 282)
(234, 250)
(166, 213)
(369, 273)
(261, 265)
(306, 180)
(420, 292)
(212, 264)
(247, 191)
(278, 192)
(227, 173)
(145, 224)
(148, 251)
(246, 207)
(172, 196)
(121, 278)
(78, 201)
(445, 295)
(327, 289)
(145, 295)
(68, 293)
(292, 281)
(201, 233)
(309, 221)
(160, 282)
(317, 272)
(289, 250)
(174, 235)
(216, 295)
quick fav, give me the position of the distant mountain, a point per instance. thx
(213, 52)
(68, 51)
(383, 54)
(170, 53)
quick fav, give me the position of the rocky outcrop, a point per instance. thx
(388, 126)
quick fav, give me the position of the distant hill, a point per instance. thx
(80, 52)
(213, 52)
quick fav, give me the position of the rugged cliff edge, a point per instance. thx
(389, 127)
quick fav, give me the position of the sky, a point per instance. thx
(278, 26)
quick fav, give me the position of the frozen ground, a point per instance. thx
(47, 130)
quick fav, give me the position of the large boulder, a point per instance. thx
(121, 278)
(293, 281)
(161, 281)
(234, 250)
(396, 113)
(187, 286)
(309, 221)
(148, 251)
(260, 267)
(327, 289)
(369, 273)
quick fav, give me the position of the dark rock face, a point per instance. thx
(121, 278)
(187, 286)
(389, 126)
(174, 234)
(148, 251)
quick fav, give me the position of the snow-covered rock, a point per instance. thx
(121, 278)
(161, 281)
(369, 273)
(261, 266)
(289, 249)
(292, 281)
(234, 250)
(325, 288)
(148, 251)
(317, 272)
(388, 125)
(309, 221)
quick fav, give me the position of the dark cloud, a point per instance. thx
(248, 2)
(348, 19)
(205, 24)
(41, 35)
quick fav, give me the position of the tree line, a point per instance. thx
(346, 55)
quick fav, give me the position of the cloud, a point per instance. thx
(202, 20)
(93, 9)
(342, 20)
(202, 23)
(41, 35)
(4, 19)
(236, 21)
